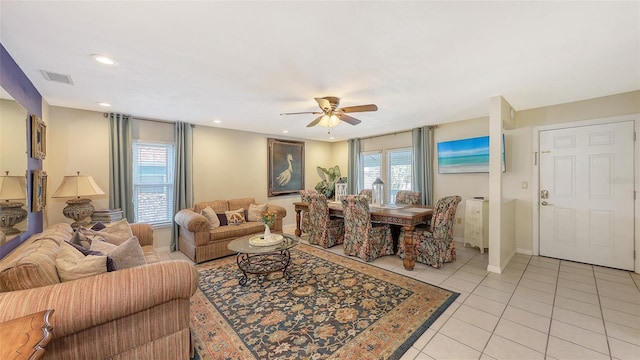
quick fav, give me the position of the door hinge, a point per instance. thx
(634, 136)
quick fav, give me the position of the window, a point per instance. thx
(153, 182)
(398, 172)
(371, 168)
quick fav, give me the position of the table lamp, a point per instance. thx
(77, 209)
(11, 212)
(377, 192)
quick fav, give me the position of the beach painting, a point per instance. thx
(466, 156)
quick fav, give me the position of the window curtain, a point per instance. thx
(353, 166)
(422, 161)
(183, 184)
(120, 159)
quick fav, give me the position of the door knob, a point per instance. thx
(544, 203)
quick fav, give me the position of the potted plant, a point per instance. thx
(329, 177)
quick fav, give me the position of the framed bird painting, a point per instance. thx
(286, 166)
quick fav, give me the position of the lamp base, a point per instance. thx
(79, 210)
(11, 213)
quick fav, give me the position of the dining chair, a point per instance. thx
(435, 246)
(362, 238)
(323, 230)
(368, 193)
(304, 221)
(406, 197)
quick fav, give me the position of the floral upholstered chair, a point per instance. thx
(323, 230)
(361, 237)
(435, 246)
(405, 197)
(368, 193)
(304, 221)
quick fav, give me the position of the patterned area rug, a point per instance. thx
(332, 307)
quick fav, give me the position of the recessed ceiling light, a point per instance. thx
(217, 121)
(331, 138)
(285, 131)
(104, 104)
(105, 60)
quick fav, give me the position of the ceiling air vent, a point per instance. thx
(61, 78)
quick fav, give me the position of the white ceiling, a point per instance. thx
(244, 63)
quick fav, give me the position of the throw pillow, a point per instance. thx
(115, 233)
(111, 266)
(72, 264)
(211, 216)
(255, 211)
(126, 255)
(235, 217)
(98, 226)
(80, 239)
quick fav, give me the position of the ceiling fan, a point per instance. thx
(331, 115)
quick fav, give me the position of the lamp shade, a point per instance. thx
(13, 188)
(329, 121)
(77, 186)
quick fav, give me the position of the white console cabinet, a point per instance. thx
(476, 223)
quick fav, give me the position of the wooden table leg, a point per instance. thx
(298, 231)
(409, 260)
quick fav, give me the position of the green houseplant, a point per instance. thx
(329, 177)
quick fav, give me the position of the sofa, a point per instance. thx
(140, 312)
(198, 241)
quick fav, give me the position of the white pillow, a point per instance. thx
(211, 216)
(115, 233)
(255, 211)
(72, 264)
(126, 255)
(235, 217)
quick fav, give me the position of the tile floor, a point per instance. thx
(539, 308)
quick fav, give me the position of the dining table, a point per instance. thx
(407, 216)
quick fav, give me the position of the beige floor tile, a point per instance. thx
(567, 263)
(511, 279)
(578, 319)
(621, 318)
(577, 277)
(474, 270)
(537, 285)
(624, 292)
(441, 320)
(466, 333)
(503, 286)
(542, 270)
(486, 357)
(484, 304)
(423, 356)
(540, 277)
(424, 339)
(580, 336)
(178, 255)
(476, 317)
(516, 265)
(544, 264)
(501, 348)
(624, 350)
(576, 285)
(526, 318)
(624, 306)
(468, 276)
(541, 296)
(443, 347)
(618, 276)
(578, 271)
(493, 294)
(459, 284)
(579, 306)
(410, 354)
(621, 332)
(578, 295)
(562, 349)
(512, 272)
(522, 335)
(431, 277)
(531, 305)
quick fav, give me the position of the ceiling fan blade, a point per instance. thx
(304, 112)
(348, 119)
(324, 104)
(315, 122)
(359, 108)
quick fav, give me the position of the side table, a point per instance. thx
(25, 337)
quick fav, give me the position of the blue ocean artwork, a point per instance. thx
(465, 156)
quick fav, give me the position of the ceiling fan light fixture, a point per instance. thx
(329, 121)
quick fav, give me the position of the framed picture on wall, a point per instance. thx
(39, 190)
(38, 138)
(286, 166)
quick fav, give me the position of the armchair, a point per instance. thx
(323, 230)
(305, 221)
(435, 246)
(361, 237)
(368, 193)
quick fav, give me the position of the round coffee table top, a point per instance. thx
(242, 245)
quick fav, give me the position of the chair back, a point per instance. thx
(443, 216)
(357, 220)
(304, 197)
(406, 197)
(318, 209)
(368, 193)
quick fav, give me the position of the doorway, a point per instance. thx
(586, 193)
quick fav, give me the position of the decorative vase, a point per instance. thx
(267, 232)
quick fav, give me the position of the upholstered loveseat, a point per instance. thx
(140, 312)
(200, 242)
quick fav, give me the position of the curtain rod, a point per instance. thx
(393, 133)
(147, 119)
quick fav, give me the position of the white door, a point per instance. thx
(587, 194)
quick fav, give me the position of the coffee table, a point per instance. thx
(254, 259)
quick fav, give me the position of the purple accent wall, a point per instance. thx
(16, 83)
